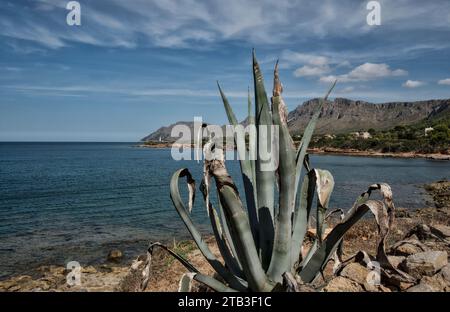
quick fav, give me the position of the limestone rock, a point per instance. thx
(420, 288)
(342, 284)
(396, 261)
(115, 255)
(436, 282)
(440, 230)
(445, 272)
(408, 247)
(355, 272)
(425, 263)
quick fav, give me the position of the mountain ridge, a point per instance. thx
(344, 115)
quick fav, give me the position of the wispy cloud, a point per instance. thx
(188, 23)
(444, 82)
(365, 72)
(411, 84)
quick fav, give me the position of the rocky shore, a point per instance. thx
(354, 152)
(419, 245)
(326, 151)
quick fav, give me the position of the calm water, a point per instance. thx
(76, 201)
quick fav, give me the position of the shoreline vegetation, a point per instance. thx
(323, 151)
(428, 138)
(416, 233)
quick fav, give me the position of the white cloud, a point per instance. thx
(345, 90)
(308, 70)
(413, 84)
(444, 82)
(365, 72)
(290, 57)
(186, 23)
(314, 65)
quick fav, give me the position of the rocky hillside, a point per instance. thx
(344, 115)
(164, 133)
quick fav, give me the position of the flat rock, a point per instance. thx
(425, 263)
(342, 284)
(445, 272)
(436, 282)
(115, 255)
(440, 230)
(396, 261)
(376, 288)
(420, 288)
(355, 272)
(408, 247)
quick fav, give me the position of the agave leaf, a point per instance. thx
(181, 209)
(252, 153)
(239, 226)
(174, 254)
(185, 284)
(307, 135)
(213, 283)
(246, 248)
(301, 216)
(281, 253)
(325, 185)
(265, 178)
(228, 257)
(246, 166)
(310, 269)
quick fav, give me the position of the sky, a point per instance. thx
(134, 66)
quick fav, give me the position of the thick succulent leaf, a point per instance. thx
(183, 213)
(239, 226)
(301, 216)
(247, 170)
(227, 255)
(313, 267)
(246, 248)
(307, 135)
(213, 283)
(174, 254)
(281, 253)
(252, 154)
(325, 185)
(265, 178)
(185, 284)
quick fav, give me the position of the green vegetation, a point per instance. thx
(259, 234)
(410, 138)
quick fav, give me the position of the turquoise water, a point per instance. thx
(76, 201)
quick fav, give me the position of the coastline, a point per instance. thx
(352, 152)
(326, 151)
(166, 273)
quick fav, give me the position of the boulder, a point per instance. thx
(445, 272)
(420, 288)
(115, 255)
(402, 213)
(396, 261)
(425, 263)
(355, 272)
(440, 230)
(342, 284)
(436, 282)
(408, 247)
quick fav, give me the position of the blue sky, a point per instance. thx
(133, 66)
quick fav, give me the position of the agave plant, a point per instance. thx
(261, 237)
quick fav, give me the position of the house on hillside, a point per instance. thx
(428, 130)
(329, 136)
(361, 135)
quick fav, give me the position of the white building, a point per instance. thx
(427, 130)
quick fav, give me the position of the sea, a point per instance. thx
(62, 202)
